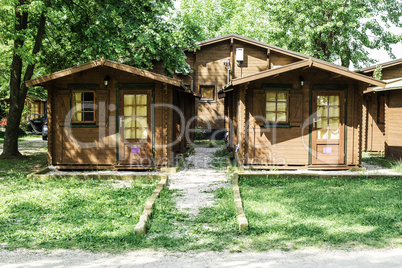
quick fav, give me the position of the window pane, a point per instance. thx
(282, 96)
(270, 106)
(129, 99)
(207, 92)
(334, 134)
(334, 111)
(129, 122)
(281, 106)
(333, 100)
(281, 117)
(78, 106)
(77, 96)
(141, 121)
(270, 116)
(128, 110)
(77, 117)
(127, 133)
(88, 96)
(271, 96)
(141, 133)
(141, 110)
(141, 99)
(322, 111)
(89, 116)
(322, 100)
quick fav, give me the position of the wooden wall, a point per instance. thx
(393, 126)
(207, 64)
(102, 138)
(289, 145)
(374, 131)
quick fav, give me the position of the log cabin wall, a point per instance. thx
(289, 144)
(393, 126)
(101, 139)
(208, 70)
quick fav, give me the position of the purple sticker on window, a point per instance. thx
(135, 150)
(327, 150)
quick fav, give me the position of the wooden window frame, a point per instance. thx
(381, 108)
(73, 104)
(206, 86)
(277, 89)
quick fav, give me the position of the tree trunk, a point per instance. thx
(18, 90)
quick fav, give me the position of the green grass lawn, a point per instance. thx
(20, 138)
(285, 213)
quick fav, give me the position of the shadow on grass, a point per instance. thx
(318, 212)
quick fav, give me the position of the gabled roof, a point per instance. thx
(302, 64)
(263, 45)
(106, 63)
(383, 65)
(253, 42)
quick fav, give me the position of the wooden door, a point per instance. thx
(328, 136)
(135, 133)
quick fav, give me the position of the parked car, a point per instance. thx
(35, 123)
(44, 129)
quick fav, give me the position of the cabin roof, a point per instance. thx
(392, 84)
(383, 65)
(260, 44)
(106, 63)
(308, 63)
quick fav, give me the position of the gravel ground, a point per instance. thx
(390, 258)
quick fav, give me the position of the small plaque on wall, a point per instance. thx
(327, 150)
(135, 150)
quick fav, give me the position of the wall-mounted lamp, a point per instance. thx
(106, 80)
(301, 79)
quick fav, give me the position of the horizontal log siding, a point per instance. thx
(393, 115)
(290, 145)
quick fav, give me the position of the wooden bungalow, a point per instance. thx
(104, 114)
(219, 60)
(303, 115)
(382, 129)
(36, 106)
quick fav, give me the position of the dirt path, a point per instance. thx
(30, 146)
(390, 258)
(197, 182)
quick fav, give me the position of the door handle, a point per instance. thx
(121, 121)
(314, 122)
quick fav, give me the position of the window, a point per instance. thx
(381, 109)
(276, 106)
(207, 93)
(135, 116)
(83, 103)
(35, 110)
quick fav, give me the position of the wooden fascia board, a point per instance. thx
(63, 73)
(347, 73)
(271, 72)
(102, 62)
(143, 73)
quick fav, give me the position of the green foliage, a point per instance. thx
(378, 72)
(330, 30)
(199, 134)
(341, 213)
(382, 161)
